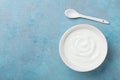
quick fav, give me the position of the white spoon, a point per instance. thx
(71, 13)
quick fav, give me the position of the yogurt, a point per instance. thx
(83, 47)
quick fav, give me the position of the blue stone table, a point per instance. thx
(30, 31)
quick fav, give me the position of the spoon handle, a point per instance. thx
(95, 19)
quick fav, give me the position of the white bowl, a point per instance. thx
(83, 48)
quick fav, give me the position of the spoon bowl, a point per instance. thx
(71, 13)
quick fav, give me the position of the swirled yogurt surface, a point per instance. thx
(83, 47)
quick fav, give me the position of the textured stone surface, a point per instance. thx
(30, 31)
